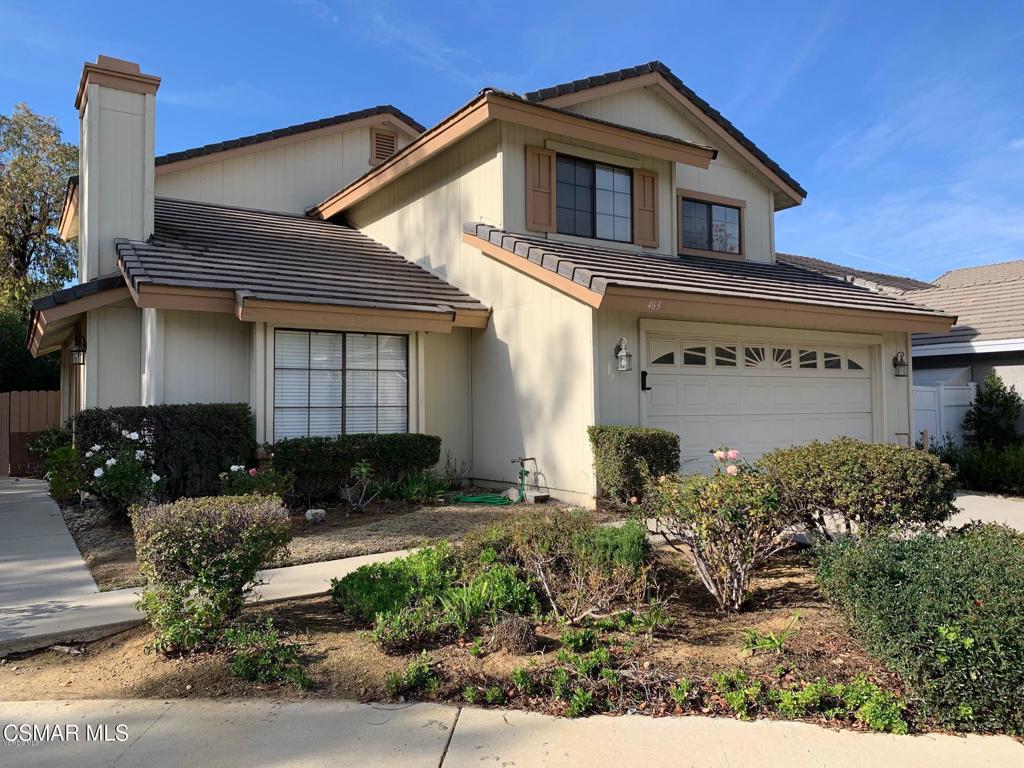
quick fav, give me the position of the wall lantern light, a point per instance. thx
(899, 365)
(78, 351)
(624, 358)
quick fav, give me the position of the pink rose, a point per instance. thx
(252, 472)
(732, 469)
(632, 499)
(719, 455)
(732, 454)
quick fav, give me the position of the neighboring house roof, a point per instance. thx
(881, 279)
(599, 269)
(657, 67)
(985, 273)
(291, 130)
(494, 104)
(247, 259)
(989, 301)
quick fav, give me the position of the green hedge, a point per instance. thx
(322, 465)
(190, 444)
(622, 454)
(946, 612)
(869, 485)
(989, 469)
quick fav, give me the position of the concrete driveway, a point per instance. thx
(341, 733)
(989, 508)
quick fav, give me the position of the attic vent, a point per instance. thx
(384, 144)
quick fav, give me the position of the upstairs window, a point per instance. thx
(710, 226)
(594, 199)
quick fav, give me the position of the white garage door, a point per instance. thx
(754, 395)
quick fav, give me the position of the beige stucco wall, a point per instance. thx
(446, 408)
(728, 175)
(531, 375)
(289, 177)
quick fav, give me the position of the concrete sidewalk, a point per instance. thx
(989, 508)
(323, 733)
(47, 595)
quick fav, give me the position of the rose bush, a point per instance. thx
(121, 474)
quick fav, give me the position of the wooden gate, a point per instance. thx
(22, 415)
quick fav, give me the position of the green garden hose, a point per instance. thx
(496, 499)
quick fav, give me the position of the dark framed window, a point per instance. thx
(594, 199)
(330, 383)
(710, 226)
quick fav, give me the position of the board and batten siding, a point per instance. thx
(205, 357)
(530, 374)
(114, 358)
(289, 177)
(727, 176)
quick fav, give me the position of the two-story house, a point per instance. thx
(601, 251)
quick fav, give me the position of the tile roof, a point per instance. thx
(985, 273)
(291, 130)
(80, 291)
(897, 283)
(989, 308)
(599, 267)
(656, 66)
(281, 257)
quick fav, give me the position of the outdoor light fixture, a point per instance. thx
(78, 351)
(899, 365)
(624, 358)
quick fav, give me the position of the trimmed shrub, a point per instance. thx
(190, 444)
(731, 523)
(200, 558)
(322, 466)
(870, 485)
(623, 455)
(946, 612)
(987, 468)
(992, 418)
(60, 468)
(239, 481)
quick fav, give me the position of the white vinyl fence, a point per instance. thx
(940, 409)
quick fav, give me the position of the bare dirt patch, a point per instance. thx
(344, 662)
(108, 548)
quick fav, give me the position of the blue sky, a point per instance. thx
(904, 121)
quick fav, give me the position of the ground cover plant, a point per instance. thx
(946, 612)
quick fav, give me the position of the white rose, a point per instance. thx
(133, 436)
(111, 461)
(140, 454)
(155, 477)
(96, 447)
(98, 472)
(124, 433)
(88, 454)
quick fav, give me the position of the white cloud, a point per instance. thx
(1016, 144)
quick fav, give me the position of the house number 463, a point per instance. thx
(654, 305)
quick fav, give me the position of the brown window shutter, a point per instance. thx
(383, 146)
(645, 208)
(540, 189)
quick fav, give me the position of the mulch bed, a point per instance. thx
(344, 663)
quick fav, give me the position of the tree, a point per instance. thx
(18, 369)
(34, 167)
(992, 417)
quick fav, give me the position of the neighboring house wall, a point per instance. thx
(727, 176)
(1009, 366)
(531, 369)
(286, 175)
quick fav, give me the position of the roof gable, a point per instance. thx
(656, 73)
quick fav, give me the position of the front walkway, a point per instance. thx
(329, 733)
(989, 508)
(47, 595)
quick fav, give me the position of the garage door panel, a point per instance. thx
(757, 408)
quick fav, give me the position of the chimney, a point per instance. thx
(116, 106)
